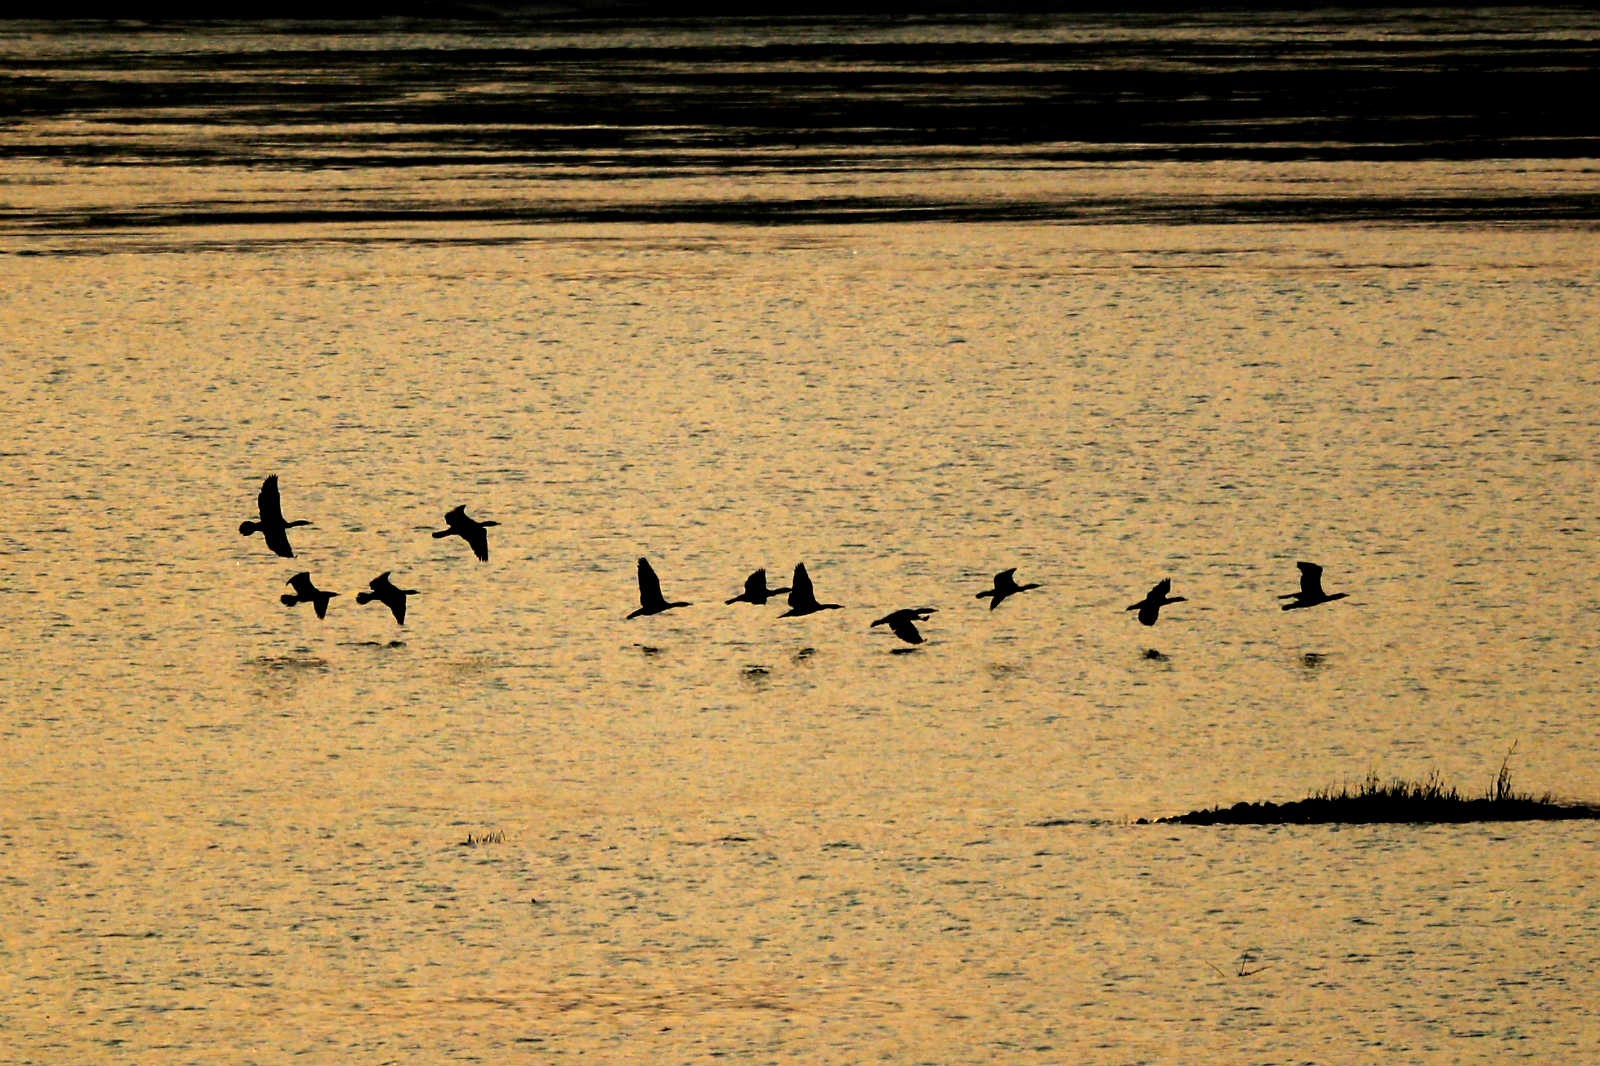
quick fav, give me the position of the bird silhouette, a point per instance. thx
(468, 529)
(903, 623)
(1157, 598)
(389, 594)
(306, 592)
(650, 599)
(755, 589)
(1310, 593)
(802, 598)
(1005, 584)
(271, 524)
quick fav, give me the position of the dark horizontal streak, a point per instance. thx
(458, 90)
(609, 14)
(1136, 89)
(601, 158)
(862, 209)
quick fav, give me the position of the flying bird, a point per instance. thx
(1005, 584)
(468, 529)
(755, 589)
(903, 623)
(802, 598)
(650, 599)
(389, 594)
(1157, 598)
(1310, 593)
(271, 524)
(306, 592)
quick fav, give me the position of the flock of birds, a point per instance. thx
(802, 597)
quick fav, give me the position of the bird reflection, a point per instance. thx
(389, 594)
(271, 524)
(468, 529)
(1310, 593)
(802, 598)
(903, 623)
(650, 599)
(755, 589)
(1154, 600)
(1005, 584)
(306, 592)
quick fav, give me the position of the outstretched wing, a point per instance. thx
(269, 505)
(478, 537)
(649, 586)
(277, 539)
(900, 622)
(1310, 579)
(301, 583)
(801, 593)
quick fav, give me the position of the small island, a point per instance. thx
(1375, 800)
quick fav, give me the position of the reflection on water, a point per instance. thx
(715, 833)
(289, 662)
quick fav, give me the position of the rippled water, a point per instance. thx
(1157, 116)
(229, 828)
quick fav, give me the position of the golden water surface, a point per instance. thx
(715, 832)
(523, 827)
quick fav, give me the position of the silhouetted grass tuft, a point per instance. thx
(478, 840)
(1398, 800)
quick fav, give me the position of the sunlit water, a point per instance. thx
(231, 832)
